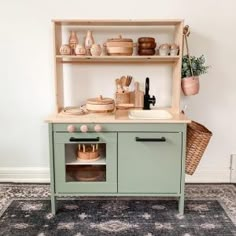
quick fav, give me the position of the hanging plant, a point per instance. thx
(197, 65)
(192, 68)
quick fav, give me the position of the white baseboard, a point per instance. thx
(25, 175)
(233, 170)
(209, 176)
(42, 175)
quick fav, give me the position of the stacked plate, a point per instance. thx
(100, 104)
(146, 46)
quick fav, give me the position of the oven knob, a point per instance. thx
(84, 128)
(98, 128)
(71, 128)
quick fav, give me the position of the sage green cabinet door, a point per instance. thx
(149, 162)
(73, 175)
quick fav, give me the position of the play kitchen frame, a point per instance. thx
(139, 157)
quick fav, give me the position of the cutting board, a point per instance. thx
(137, 96)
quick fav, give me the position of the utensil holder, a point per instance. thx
(122, 97)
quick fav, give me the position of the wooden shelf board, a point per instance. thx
(159, 22)
(72, 161)
(66, 59)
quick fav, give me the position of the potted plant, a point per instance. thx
(192, 68)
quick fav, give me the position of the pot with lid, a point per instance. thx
(119, 46)
(100, 104)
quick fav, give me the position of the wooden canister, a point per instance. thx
(100, 104)
(122, 98)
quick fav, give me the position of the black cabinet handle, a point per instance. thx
(162, 139)
(72, 139)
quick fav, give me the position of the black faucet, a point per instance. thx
(147, 99)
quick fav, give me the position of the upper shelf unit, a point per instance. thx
(164, 30)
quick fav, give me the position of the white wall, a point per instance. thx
(27, 83)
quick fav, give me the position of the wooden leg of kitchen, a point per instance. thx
(53, 204)
(181, 204)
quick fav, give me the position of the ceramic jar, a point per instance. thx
(65, 49)
(164, 49)
(190, 85)
(80, 50)
(96, 50)
(73, 41)
(89, 41)
(174, 49)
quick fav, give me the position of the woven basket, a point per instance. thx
(198, 137)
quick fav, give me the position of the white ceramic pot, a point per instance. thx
(164, 49)
(190, 85)
(96, 50)
(80, 50)
(174, 52)
(65, 49)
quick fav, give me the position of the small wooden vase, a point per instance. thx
(190, 85)
(89, 41)
(73, 41)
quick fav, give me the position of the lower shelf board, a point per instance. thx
(73, 161)
(88, 173)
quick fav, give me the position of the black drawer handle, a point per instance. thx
(162, 139)
(72, 139)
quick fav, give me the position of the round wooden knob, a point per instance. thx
(71, 128)
(97, 128)
(84, 128)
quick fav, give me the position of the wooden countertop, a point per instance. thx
(120, 116)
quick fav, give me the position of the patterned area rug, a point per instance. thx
(209, 210)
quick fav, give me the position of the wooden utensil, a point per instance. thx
(119, 88)
(128, 81)
(123, 82)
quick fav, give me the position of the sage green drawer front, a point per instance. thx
(63, 140)
(149, 162)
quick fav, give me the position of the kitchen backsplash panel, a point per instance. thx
(91, 80)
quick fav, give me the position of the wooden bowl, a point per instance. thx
(119, 51)
(148, 52)
(146, 40)
(147, 45)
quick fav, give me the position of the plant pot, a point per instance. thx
(190, 85)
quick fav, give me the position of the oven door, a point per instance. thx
(85, 162)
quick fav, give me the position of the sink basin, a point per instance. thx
(149, 114)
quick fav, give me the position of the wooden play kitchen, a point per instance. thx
(108, 154)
